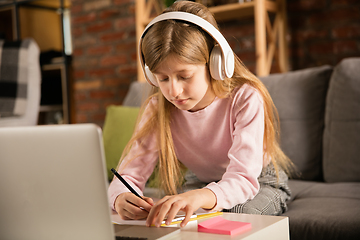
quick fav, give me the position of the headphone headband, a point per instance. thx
(226, 51)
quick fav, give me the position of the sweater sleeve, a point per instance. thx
(239, 183)
(138, 165)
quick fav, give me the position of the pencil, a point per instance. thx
(197, 217)
(125, 183)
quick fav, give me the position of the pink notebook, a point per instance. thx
(219, 225)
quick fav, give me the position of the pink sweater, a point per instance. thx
(222, 144)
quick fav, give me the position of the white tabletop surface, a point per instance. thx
(262, 227)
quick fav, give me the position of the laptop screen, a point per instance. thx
(53, 183)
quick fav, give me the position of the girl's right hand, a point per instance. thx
(129, 206)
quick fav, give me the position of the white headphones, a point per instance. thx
(221, 57)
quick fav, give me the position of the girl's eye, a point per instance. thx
(163, 79)
(185, 77)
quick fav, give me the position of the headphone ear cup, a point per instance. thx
(150, 76)
(216, 63)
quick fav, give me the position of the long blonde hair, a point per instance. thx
(193, 45)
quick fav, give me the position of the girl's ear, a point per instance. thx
(216, 64)
(150, 77)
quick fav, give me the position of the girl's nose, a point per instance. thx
(175, 88)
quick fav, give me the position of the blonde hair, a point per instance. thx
(193, 45)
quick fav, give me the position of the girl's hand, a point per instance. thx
(188, 202)
(129, 206)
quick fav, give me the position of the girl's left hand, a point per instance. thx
(188, 202)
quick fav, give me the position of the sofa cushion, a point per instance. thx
(137, 94)
(20, 73)
(118, 128)
(324, 210)
(299, 97)
(342, 124)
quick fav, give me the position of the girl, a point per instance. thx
(224, 131)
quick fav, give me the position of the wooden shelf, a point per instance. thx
(44, 3)
(53, 66)
(42, 20)
(48, 108)
(234, 11)
(59, 69)
(52, 3)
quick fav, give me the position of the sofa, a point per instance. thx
(319, 110)
(20, 83)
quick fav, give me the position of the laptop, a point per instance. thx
(53, 185)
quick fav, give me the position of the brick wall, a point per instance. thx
(323, 31)
(104, 59)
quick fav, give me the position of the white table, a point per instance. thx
(262, 227)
